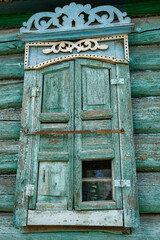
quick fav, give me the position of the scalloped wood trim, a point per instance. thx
(74, 56)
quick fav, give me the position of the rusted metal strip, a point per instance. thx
(75, 132)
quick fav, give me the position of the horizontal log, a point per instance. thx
(145, 57)
(146, 114)
(147, 150)
(11, 66)
(10, 114)
(10, 43)
(146, 31)
(9, 147)
(9, 130)
(8, 157)
(11, 94)
(6, 203)
(149, 192)
(7, 184)
(145, 83)
(11, 47)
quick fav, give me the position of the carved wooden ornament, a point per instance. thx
(62, 19)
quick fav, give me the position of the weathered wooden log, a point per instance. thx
(11, 92)
(147, 149)
(10, 114)
(9, 130)
(146, 114)
(145, 83)
(149, 192)
(11, 66)
(8, 157)
(145, 57)
(146, 31)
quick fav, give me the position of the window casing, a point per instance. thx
(70, 172)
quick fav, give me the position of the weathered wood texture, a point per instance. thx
(11, 92)
(147, 31)
(7, 191)
(11, 66)
(147, 149)
(149, 229)
(9, 42)
(148, 192)
(145, 57)
(146, 115)
(145, 83)
(8, 156)
(9, 130)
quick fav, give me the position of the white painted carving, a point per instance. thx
(78, 55)
(75, 16)
(82, 45)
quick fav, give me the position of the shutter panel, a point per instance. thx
(128, 163)
(51, 171)
(97, 157)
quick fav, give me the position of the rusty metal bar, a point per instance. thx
(75, 132)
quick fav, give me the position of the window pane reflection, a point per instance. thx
(96, 180)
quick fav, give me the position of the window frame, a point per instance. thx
(129, 216)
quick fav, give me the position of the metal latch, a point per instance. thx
(30, 190)
(76, 132)
(122, 183)
(117, 81)
(35, 92)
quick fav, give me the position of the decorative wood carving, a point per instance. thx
(95, 56)
(82, 17)
(82, 45)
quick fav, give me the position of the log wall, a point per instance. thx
(145, 87)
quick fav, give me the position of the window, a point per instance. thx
(76, 164)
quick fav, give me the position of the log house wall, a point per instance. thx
(144, 45)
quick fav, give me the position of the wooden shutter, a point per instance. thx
(76, 95)
(96, 109)
(52, 155)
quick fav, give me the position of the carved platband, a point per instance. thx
(95, 56)
(75, 16)
(80, 46)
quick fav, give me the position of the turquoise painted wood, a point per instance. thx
(55, 172)
(82, 18)
(51, 157)
(11, 67)
(147, 148)
(94, 94)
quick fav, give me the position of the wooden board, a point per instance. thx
(8, 156)
(9, 130)
(83, 218)
(11, 66)
(145, 83)
(144, 57)
(147, 148)
(11, 94)
(146, 31)
(10, 114)
(146, 114)
(149, 192)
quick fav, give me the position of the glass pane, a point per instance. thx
(96, 180)
(97, 191)
(94, 169)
